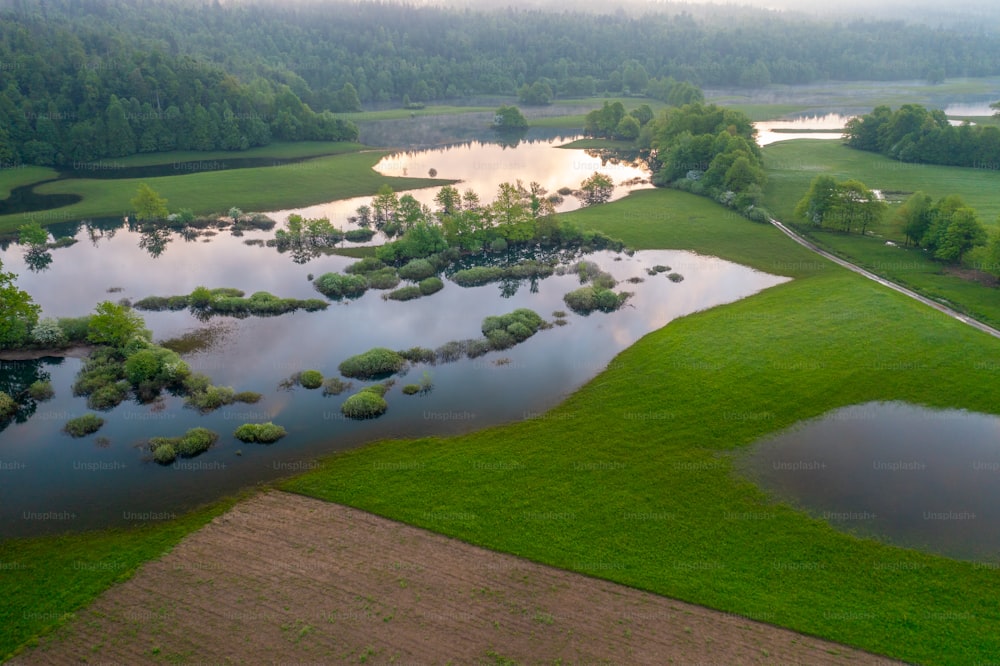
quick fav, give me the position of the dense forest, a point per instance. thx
(915, 134)
(85, 79)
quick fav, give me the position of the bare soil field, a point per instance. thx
(285, 579)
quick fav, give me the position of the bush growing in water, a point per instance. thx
(417, 269)
(587, 299)
(335, 386)
(384, 278)
(311, 379)
(419, 355)
(194, 442)
(430, 285)
(40, 391)
(509, 329)
(263, 433)
(411, 389)
(359, 235)
(366, 404)
(373, 364)
(366, 265)
(337, 286)
(403, 294)
(83, 425)
(164, 453)
(476, 276)
(675, 277)
(7, 406)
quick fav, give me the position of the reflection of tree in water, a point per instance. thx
(15, 378)
(630, 158)
(510, 138)
(154, 239)
(37, 258)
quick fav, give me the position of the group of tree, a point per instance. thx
(611, 121)
(710, 151)
(461, 221)
(913, 133)
(846, 205)
(74, 93)
(947, 228)
(85, 79)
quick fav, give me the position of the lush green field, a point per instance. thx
(278, 151)
(399, 114)
(45, 579)
(16, 177)
(632, 478)
(791, 166)
(265, 188)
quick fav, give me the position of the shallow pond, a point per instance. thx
(51, 482)
(802, 127)
(482, 167)
(917, 477)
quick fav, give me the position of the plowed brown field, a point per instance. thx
(286, 579)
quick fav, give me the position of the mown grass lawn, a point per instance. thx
(792, 165)
(632, 478)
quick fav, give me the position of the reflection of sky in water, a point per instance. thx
(482, 167)
(918, 477)
(796, 128)
(257, 353)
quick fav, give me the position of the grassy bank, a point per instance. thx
(792, 165)
(18, 176)
(632, 478)
(46, 579)
(277, 151)
(265, 188)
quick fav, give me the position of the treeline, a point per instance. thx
(913, 133)
(711, 151)
(71, 93)
(387, 51)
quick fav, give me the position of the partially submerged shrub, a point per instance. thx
(7, 406)
(195, 441)
(411, 389)
(430, 285)
(337, 286)
(108, 396)
(164, 453)
(359, 235)
(366, 404)
(404, 294)
(366, 265)
(419, 355)
(587, 299)
(84, 425)
(476, 276)
(263, 433)
(311, 379)
(40, 391)
(384, 278)
(675, 277)
(335, 386)
(450, 351)
(373, 364)
(417, 269)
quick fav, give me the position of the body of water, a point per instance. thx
(917, 477)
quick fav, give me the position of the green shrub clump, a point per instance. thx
(359, 235)
(373, 364)
(47, 332)
(509, 329)
(41, 391)
(587, 299)
(430, 285)
(675, 277)
(194, 442)
(311, 379)
(419, 355)
(411, 389)
(164, 453)
(384, 278)
(417, 269)
(84, 425)
(337, 286)
(366, 404)
(479, 275)
(263, 433)
(404, 294)
(366, 265)
(7, 406)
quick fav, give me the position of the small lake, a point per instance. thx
(482, 167)
(916, 477)
(51, 482)
(822, 126)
